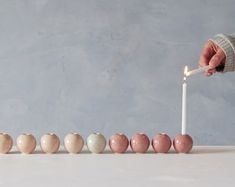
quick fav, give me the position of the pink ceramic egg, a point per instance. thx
(183, 143)
(161, 143)
(139, 143)
(118, 143)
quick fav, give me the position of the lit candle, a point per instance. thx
(184, 102)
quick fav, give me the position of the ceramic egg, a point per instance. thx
(118, 143)
(73, 143)
(50, 143)
(161, 143)
(6, 143)
(139, 143)
(183, 143)
(26, 143)
(96, 142)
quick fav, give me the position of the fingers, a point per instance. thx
(206, 54)
(211, 55)
(217, 59)
(208, 74)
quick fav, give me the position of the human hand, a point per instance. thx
(214, 56)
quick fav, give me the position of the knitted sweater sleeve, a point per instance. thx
(227, 44)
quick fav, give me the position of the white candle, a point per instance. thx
(184, 95)
(184, 102)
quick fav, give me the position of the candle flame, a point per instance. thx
(186, 71)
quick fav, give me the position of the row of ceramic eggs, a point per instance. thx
(96, 143)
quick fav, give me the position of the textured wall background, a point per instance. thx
(112, 66)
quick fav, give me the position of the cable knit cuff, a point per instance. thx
(226, 43)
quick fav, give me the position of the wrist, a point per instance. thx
(226, 45)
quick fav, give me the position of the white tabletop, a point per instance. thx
(205, 166)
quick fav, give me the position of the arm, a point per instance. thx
(227, 44)
(219, 53)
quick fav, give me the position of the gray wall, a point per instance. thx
(112, 66)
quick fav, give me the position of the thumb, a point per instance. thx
(217, 59)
